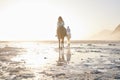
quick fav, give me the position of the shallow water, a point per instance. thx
(44, 61)
(37, 55)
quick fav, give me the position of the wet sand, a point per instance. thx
(40, 61)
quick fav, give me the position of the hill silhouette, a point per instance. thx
(117, 30)
(107, 34)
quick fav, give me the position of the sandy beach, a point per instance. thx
(44, 61)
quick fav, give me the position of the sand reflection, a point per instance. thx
(68, 55)
(64, 57)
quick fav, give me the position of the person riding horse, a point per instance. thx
(60, 22)
(61, 32)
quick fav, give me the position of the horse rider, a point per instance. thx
(60, 23)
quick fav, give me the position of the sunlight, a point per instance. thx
(36, 55)
(30, 21)
(37, 19)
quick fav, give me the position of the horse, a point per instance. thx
(61, 32)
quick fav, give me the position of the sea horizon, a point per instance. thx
(72, 41)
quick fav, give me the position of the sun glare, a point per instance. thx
(37, 19)
(36, 54)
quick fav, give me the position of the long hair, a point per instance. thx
(61, 30)
(60, 21)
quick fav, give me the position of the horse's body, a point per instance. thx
(61, 33)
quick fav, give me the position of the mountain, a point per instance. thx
(103, 35)
(107, 34)
(116, 33)
(117, 30)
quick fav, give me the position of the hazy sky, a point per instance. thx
(37, 19)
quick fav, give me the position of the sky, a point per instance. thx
(37, 19)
